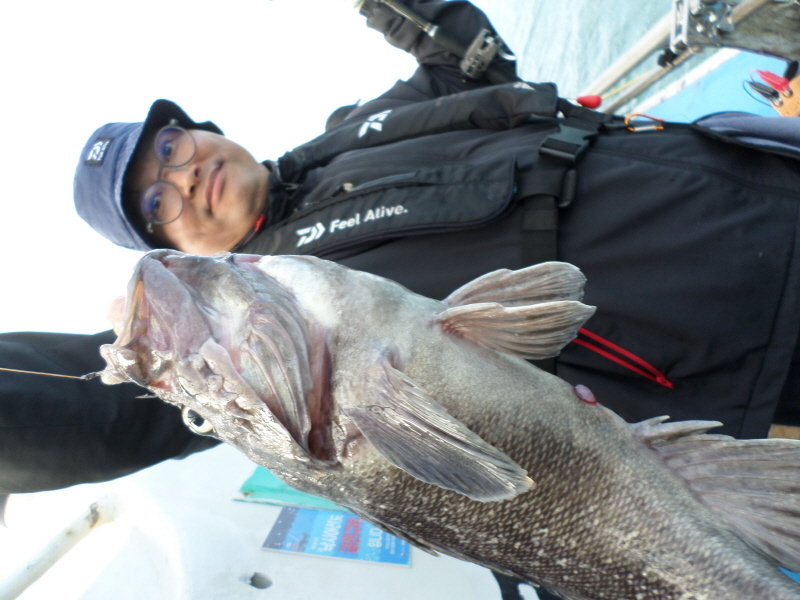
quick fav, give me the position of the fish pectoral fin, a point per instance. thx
(753, 486)
(416, 434)
(533, 331)
(544, 282)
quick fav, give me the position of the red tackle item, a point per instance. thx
(620, 356)
(591, 101)
(776, 82)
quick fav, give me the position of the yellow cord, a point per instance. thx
(624, 86)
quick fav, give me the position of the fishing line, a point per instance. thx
(86, 377)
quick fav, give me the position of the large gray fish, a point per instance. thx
(423, 417)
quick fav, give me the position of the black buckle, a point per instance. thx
(479, 54)
(568, 144)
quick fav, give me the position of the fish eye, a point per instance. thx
(196, 423)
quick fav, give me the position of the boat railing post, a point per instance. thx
(99, 513)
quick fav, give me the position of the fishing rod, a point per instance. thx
(475, 59)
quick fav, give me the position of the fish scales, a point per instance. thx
(563, 544)
(427, 432)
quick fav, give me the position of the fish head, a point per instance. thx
(231, 347)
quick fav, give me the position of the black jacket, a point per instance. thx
(688, 244)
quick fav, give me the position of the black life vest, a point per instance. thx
(444, 197)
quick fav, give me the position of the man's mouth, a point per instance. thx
(214, 187)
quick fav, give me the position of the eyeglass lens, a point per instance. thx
(162, 202)
(174, 146)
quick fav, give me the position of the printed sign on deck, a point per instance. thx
(335, 534)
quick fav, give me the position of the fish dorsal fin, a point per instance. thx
(416, 434)
(531, 313)
(544, 282)
(534, 332)
(751, 485)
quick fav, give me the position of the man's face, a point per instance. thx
(224, 191)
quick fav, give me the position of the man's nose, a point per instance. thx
(185, 178)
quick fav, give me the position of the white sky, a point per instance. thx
(267, 72)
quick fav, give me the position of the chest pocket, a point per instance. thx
(424, 200)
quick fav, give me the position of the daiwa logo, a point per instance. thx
(373, 122)
(98, 152)
(310, 234)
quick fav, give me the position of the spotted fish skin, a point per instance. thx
(422, 417)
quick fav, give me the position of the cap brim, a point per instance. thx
(163, 111)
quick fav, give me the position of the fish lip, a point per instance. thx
(213, 187)
(138, 305)
(130, 321)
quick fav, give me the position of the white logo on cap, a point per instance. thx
(98, 151)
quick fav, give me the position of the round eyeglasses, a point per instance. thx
(162, 202)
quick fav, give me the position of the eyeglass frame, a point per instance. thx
(173, 124)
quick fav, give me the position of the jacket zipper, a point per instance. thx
(622, 357)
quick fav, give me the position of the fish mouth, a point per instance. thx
(160, 322)
(176, 303)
